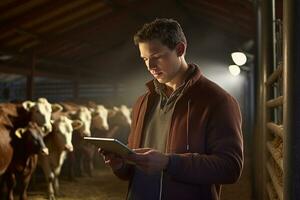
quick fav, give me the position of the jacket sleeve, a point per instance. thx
(223, 162)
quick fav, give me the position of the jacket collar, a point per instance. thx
(192, 80)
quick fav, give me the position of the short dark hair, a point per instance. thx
(167, 31)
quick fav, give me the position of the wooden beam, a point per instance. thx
(223, 24)
(30, 78)
(47, 39)
(64, 20)
(34, 17)
(12, 69)
(221, 14)
(49, 61)
(92, 26)
(17, 7)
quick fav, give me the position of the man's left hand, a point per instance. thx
(149, 160)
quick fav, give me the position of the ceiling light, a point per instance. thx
(239, 58)
(234, 70)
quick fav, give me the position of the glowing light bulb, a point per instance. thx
(239, 58)
(234, 70)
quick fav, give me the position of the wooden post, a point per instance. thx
(263, 64)
(30, 78)
(76, 90)
(291, 115)
(76, 84)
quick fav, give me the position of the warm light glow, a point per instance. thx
(5, 57)
(239, 58)
(234, 70)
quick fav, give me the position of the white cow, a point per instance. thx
(119, 120)
(99, 118)
(120, 116)
(85, 116)
(41, 111)
(58, 143)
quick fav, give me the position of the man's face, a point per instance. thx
(162, 62)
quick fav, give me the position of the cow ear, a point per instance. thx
(115, 108)
(27, 105)
(19, 132)
(56, 107)
(77, 124)
(111, 112)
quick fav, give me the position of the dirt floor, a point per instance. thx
(104, 185)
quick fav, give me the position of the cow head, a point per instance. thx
(41, 112)
(32, 135)
(62, 129)
(99, 118)
(84, 115)
(120, 116)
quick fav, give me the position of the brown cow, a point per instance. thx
(6, 150)
(14, 116)
(26, 143)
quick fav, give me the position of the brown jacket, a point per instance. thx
(205, 141)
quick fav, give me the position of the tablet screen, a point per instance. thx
(110, 145)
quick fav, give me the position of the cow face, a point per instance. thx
(41, 112)
(127, 113)
(63, 129)
(32, 137)
(120, 116)
(99, 118)
(84, 115)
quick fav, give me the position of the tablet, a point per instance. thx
(110, 145)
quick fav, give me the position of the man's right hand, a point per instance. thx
(112, 160)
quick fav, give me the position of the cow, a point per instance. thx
(41, 111)
(18, 115)
(94, 119)
(59, 142)
(99, 118)
(6, 150)
(119, 120)
(82, 156)
(26, 143)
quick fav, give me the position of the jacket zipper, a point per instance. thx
(187, 146)
(161, 183)
(187, 126)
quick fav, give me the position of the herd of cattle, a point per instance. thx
(47, 135)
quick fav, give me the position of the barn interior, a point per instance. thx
(82, 51)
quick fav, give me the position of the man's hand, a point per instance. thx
(149, 160)
(112, 160)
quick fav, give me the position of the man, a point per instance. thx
(186, 130)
